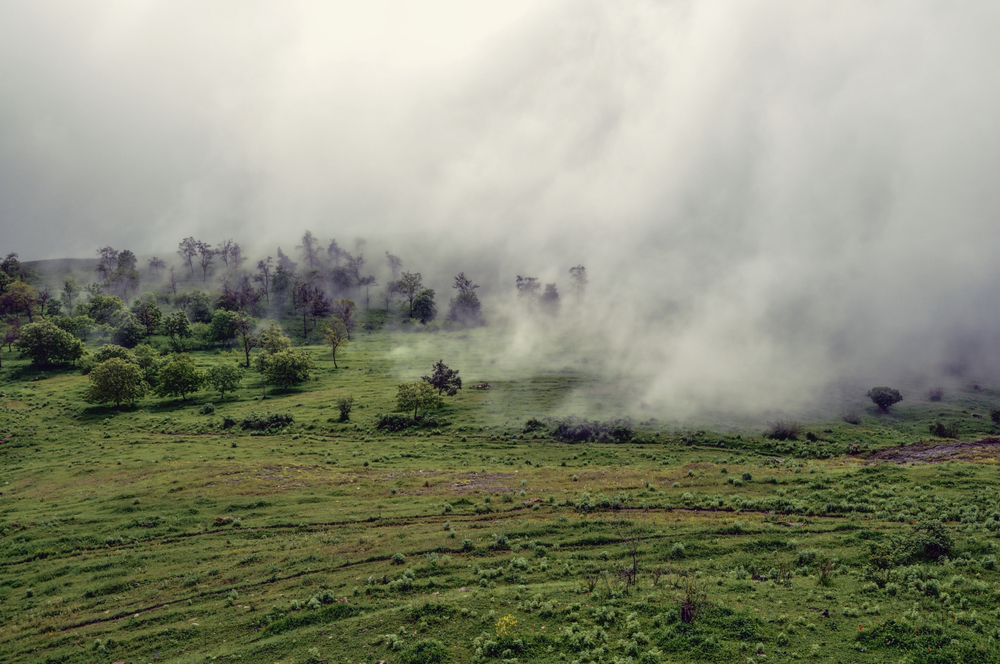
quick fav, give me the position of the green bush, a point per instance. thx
(426, 651)
(266, 423)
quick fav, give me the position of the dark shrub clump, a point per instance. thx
(944, 429)
(576, 430)
(784, 430)
(266, 423)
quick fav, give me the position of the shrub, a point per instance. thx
(533, 424)
(467, 545)
(995, 415)
(392, 422)
(851, 417)
(944, 430)
(266, 423)
(207, 409)
(884, 397)
(500, 543)
(398, 559)
(784, 430)
(936, 394)
(344, 404)
(574, 430)
(426, 651)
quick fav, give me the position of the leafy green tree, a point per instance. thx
(245, 333)
(177, 327)
(148, 314)
(884, 397)
(284, 368)
(273, 341)
(336, 335)
(19, 297)
(109, 351)
(444, 380)
(179, 377)
(423, 308)
(416, 396)
(224, 326)
(69, 294)
(409, 286)
(148, 359)
(465, 307)
(83, 326)
(118, 380)
(344, 310)
(104, 309)
(46, 344)
(129, 331)
(224, 378)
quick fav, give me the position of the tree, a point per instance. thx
(155, 264)
(285, 368)
(70, 292)
(310, 250)
(148, 314)
(225, 251)
(245, 327)
(335, 253)
(224, 378)
(416, 396)
(578, 281)
(107, 261)
(336, 335)
(46, 344)
(11, 333)
(286, 263)
(129, 331)
(263, 277)
(550, 300)
(367, 283)
(187, 250)
(116, 379)
(465, 307)
(527, 289)
(424, 308)
(444, 380)
(224, 325)
(174, 280)
(205, 257)
(177, 327)
(19, 297)
(125, 275)
(179, 377)
(883, 397)
(273, 341)
(394, 264)
(409, 285)
(344, 310)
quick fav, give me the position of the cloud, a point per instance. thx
(770, 198)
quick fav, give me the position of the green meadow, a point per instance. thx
(168, 532)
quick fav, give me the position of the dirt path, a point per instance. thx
(985, 449)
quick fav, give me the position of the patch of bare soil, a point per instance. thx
(983, 450)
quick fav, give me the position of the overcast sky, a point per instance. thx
(770, 195)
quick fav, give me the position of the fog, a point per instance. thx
(778, 203)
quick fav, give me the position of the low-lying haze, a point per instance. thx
(771, 198)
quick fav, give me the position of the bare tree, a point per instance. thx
(367, 283)
(335, 253)
(343, 310)
(236, 257)
(225, 251)
(188, 249)
(174, 280)
(106, 263)
(578, 281)
(263, 277)
(310, 250)
(206, 255)
(394, 264)
(155, 264)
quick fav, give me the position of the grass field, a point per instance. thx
(154, 533)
